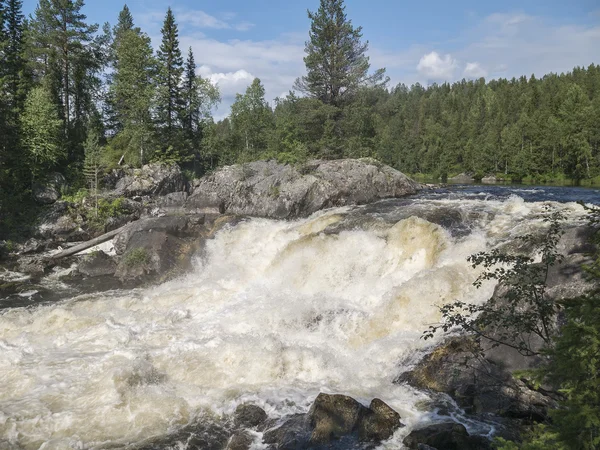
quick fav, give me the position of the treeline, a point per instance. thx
(541, 129)
(80, 100)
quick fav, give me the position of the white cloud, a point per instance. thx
(235, 63)
(231, 80)
(500, 45)
(192, 20)
(437, 67)
(474, 70)
(201, 19)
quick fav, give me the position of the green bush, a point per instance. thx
(136, 258)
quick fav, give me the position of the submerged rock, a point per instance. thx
(249, 416)
(269, 189)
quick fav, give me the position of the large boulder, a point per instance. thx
(150, 255)
(151, 180)
(58, 223)
(155, 248)
(480, 384)
(49, 191)
(178, 226)
(270, 189)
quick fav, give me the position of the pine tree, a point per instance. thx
(170, 70)
(335, 60)
(65, 53)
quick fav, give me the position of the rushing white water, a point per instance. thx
(274, 313)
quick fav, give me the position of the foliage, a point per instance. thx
(524, 308)
(136, 257)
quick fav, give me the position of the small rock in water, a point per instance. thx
(379, 423)
(249, 416)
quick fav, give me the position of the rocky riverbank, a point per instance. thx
(164, 219)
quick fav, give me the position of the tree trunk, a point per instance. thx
(91, 243)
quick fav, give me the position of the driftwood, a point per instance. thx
(91, 243)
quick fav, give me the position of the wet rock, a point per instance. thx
(48, 192)
(269, 189)
(241, 440)
(378, 423)
(445, 436)
(335, 422)
(479, 385)
(205, 434)
(293, 434)
(151, 255)
(97, 264)
(152, 179)
(249, 416)
(334, 416)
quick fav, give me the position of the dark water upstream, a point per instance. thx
(273, 313)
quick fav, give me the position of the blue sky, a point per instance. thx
(417, 41)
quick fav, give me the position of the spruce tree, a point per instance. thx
(41, 129)
(170, 70)
(133, 91)
(335, 60)
(124, 24)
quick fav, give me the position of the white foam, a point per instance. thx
(275, 312)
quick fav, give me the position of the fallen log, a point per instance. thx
(85, 245)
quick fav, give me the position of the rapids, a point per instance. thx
(274, 313)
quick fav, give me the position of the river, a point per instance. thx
(273, 313)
